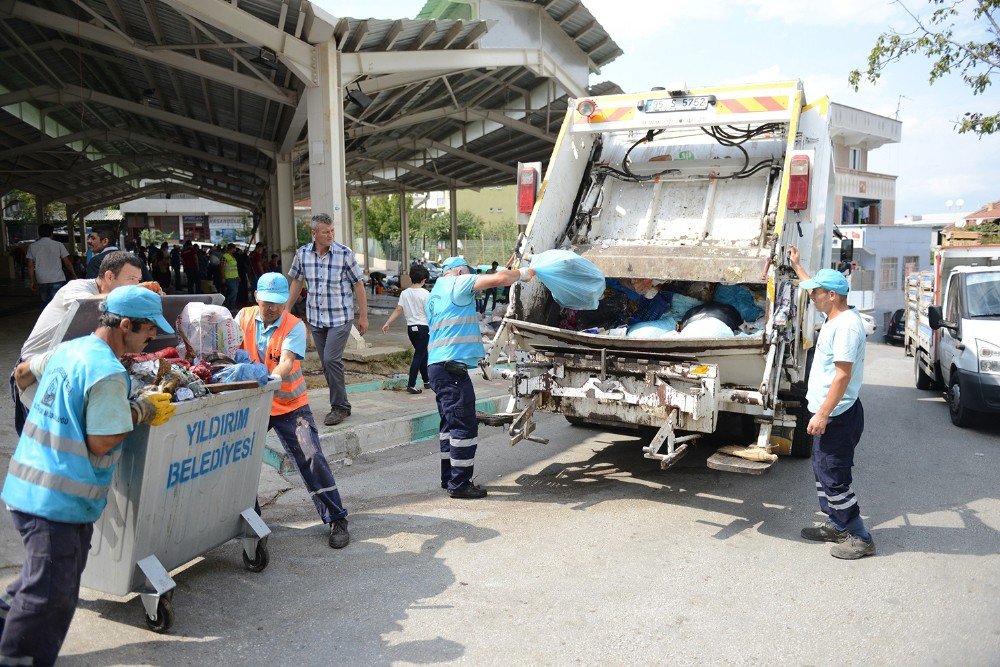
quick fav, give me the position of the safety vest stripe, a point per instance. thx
(454, 341)
(294, 376)
(53, 482)
(294, 393)
(53, 441)
(107, 460)
(452, 321)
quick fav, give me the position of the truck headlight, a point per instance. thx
(989, 357)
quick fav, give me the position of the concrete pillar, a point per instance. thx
(325, 108)
(39, 210)
(364, 231)
(453, 212)
(404, 235)
(284, 213)
(82, 215)
(71, 228)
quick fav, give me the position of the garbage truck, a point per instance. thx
(677, 194)
(953, 328)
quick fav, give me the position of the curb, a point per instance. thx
(352, 441)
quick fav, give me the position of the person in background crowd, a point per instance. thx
(100, 241)
(205, 272)
(258, 262)
(377, 282)
(230, 276)
(58, 479)
(48, 264)
(189, 259)
(243, 269)
(118, 268)
(491, 292)
(274, 265)
(334, 280)
(456, 345)
(278, 340)
(838, 418)
(412, 303)
(79, 267)
(175, 266)
(161, 268)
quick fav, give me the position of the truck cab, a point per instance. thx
(967, 327)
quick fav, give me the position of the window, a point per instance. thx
(854, 159)
(911, 264)
(889, 269)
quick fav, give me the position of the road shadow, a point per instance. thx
(921, 481)
(310, 601)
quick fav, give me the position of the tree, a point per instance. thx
(935, 38)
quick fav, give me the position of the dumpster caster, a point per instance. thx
(164, 616)
(260, 560)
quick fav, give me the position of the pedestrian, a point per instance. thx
(230, 276)
(278, 340)
(58, 478)
(189, 259)
(118, 268)
(412, 305)
(48, 264)
(334, 280)
(377, 282)
(100, 241)
(175, 266)
(455, 346)
(257, 262)
(161, 267)
(490, 293)
(243, 269)
(837, 416)
(274, 264)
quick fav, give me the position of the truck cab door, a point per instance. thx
(949, 340)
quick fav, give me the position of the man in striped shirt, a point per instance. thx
(334, 279)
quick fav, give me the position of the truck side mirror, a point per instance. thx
(936, 319)
(847, 250)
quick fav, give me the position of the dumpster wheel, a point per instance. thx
(260, 560)
(164, 616)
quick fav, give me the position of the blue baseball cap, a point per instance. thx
(827, 279)
(273, 288)
(137, 302)
(453, 263)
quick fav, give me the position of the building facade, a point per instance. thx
(183, 217)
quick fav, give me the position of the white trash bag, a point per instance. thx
(209, 330)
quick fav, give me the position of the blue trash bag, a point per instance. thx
(654, 329)
(681, 304)
(741, 298)
(574, 281)
(241, 356)
(241, 373)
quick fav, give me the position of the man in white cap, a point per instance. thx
(58, 479)
(277, 339)
(455, 346)
(838, 419)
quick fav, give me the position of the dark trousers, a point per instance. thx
(232, 286)
(459, 431)
(298, 435)
(48, 290)
(38, 606)
(194, 281)
(419, 335)
(832, 459)
(330, 344)
(20, 409)
(177, 278)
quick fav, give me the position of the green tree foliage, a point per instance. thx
(19, 208)
(959, 36)
(383, 220)
(154, 237)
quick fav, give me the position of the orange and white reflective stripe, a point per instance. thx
(607, 115)
(752, 104)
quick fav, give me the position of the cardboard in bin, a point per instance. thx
(81, 320)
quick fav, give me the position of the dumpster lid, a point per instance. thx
(82, 317)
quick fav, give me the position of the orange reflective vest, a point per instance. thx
(292, 394)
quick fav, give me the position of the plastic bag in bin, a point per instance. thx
(208, 329)
(574, 281)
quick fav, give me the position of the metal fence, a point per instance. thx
(475, 251)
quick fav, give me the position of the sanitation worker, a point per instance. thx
(455, 346)
(277, 339)
(838, 419)
(57, 482)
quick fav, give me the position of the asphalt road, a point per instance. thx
(587, 553)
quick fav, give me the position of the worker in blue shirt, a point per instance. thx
(455, 346)
(58, 479)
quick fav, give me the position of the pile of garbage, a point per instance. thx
(647, 309)
(209, 353)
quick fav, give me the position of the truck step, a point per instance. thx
(727, 463)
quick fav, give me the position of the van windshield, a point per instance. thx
(983, 294)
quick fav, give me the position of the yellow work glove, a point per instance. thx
(153, 409)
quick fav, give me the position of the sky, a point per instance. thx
(715, 42)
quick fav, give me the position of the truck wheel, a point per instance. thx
(960, 414)
(922, 379)
(802, 442)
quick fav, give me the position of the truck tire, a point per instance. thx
(958, 410)
(921, 379)
(802, 442)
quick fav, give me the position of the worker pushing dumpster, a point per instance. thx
(181, 488)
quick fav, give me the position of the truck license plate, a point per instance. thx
(698, 103)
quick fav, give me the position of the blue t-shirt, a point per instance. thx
(840, 339)
(295, 341)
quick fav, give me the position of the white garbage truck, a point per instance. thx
(673, 193)
(953, 328)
